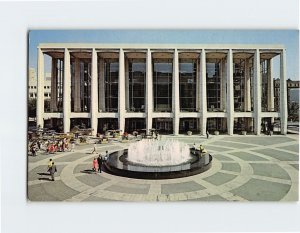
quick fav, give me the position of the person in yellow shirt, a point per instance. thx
(202, 150)
(49, 165)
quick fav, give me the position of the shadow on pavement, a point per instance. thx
(43, 174)
(88, 171)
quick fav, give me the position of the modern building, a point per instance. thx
(174, 88)
(32, 85)
(291, 85)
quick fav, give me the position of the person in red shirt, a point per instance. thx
(95, 165)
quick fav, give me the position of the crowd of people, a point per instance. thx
(51, 146)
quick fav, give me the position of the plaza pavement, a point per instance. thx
(244, 168)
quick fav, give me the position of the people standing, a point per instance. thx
(271, 128)
(95, 165)
(33, 150)
(106, 156)
(73, 146)
(202, 150)
(39, 144)
(207, 134)
(99, 160)
(53, 170)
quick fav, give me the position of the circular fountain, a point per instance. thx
(153, 159)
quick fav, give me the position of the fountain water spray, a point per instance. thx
(150, 152)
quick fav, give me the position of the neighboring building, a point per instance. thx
(32, 85)
(172, 88)
(291, 84)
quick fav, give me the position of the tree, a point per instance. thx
(294, 111)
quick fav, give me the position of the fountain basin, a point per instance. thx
(119, 164)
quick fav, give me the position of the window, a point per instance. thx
(111, 79)
(187, 84)
(239, 84)
(162, 84)
(213, 85)
(137, 76)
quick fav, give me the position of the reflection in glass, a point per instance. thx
(187, 84)
(111, 78)
(162, 85)
(239, 84)
(137, 75)
(213, 85)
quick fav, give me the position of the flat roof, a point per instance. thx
(157, 46)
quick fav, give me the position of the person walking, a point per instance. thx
(95, 165)
(99, 160)
(207, 134)
(49, 165)
(53, 170)
(94, 150)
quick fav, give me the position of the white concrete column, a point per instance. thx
(40, 90)
(223, 84)
(149, 91)
(127, 107)
(230, 99)
(270, 86)
(77, 100)
(94, 93)
(257, 93)
(67, 91)
(53, 103)
(175, 94)
(247, 93)
(101, 85)
(283, 93)
(121, 96)
(203, 101)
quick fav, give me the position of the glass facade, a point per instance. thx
(188, 124)
(213, 85)
(163, 125)
(137, 77)
(162, 99)
(111, 79)
(57, 67)
(187, 84)
(264, 85)
(216, 124)
(239, 84)
(105, 124)
(162, 84)
(134, 124)
(84, 83)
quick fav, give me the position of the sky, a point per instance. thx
(288, 38)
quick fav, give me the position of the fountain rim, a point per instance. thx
(196, 168)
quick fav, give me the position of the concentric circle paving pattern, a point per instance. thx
(244, 168)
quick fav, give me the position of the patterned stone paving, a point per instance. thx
(244, 168)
